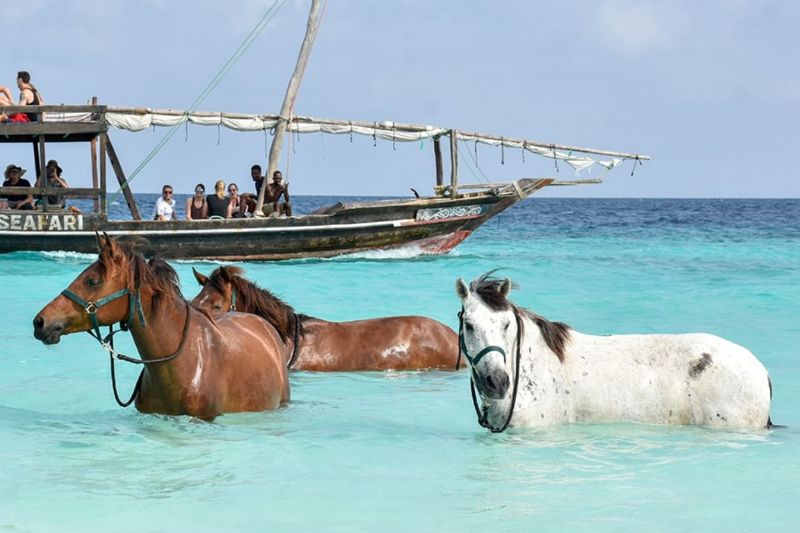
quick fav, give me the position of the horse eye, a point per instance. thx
(217, 307)
(505, 328)
(94, 282)
(468, 326)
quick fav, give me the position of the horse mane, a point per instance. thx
(555, 334)
(259, 301)
(156, 274)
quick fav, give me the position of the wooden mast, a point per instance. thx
(291, 96)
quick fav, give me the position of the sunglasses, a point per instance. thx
(198, 191)
(167, 192)
(232, 190)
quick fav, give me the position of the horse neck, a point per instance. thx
(163, 329)
(273, 310)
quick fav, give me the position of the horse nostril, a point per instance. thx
(490, 383)
(38, 322)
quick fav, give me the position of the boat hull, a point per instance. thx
(435, 225)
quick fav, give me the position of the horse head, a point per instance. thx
(488, 334)
(218, 295)
(99, 296)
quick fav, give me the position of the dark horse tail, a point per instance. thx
(770, 425)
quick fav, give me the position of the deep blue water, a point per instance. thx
(402, 451)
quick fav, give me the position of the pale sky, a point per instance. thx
(710, 89)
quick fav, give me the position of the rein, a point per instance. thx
(107, 342)
(474, 360)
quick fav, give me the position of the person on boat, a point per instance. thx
(54, 181)
(237, 205)
(165, 205)
(249, 201)
(219, 205)
(28, 95)
(273, 194)
(196, 206)
(13, 175)
(5, 99)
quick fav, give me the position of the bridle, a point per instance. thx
(295, 350)
(474, 360)
(107, 343)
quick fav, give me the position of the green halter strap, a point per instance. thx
(91, 308)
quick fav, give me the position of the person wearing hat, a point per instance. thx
(196, 206)
(54, 181)
(14, 178)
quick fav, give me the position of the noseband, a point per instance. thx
(474, 360)
(107, 343)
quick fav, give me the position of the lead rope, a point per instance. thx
(108, 344)
(482, 413)
(460, 333)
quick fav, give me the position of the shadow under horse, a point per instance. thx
(388, 343)
(193, 364)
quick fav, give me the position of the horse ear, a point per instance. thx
(505, 287)
(105, 244)
(201, 279)
(461, 289)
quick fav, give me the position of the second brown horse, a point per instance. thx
(389, 343)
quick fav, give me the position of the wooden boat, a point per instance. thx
(434, 224)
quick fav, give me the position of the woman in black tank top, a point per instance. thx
(218, 204)
(24, 83)
(196, 206)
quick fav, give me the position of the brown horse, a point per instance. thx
(193, 365)
(391, 343)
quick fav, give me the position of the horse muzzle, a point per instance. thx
(494, 384)
(48, 333)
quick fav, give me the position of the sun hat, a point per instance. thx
(14, 168)
(54, 163)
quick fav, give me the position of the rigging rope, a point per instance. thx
(254, 33)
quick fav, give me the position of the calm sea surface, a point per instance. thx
(402, 451)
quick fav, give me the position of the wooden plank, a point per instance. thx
(453, 163)
(72, 192)
(93, 152)
(437, 153)
(65, 129)
(41, 171)
(126, 191)
(54, 108)
(103, 195)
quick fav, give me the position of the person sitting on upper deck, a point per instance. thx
(28, 95)
(219, 205)
(5, 99)
(54, 181)
(196, 206)
(14, 178)
(165, 205)
(273, 194)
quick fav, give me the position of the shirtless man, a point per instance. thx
(273, 194)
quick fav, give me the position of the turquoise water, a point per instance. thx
(402, 451)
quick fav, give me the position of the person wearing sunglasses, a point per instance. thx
(165, 206)
(235, 204)
(196, 206)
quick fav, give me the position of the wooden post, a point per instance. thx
(437, 152)
(41, 171)
(453, 163)
(291, 96)
(103, 199)
(93, 150)
(126, 191)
